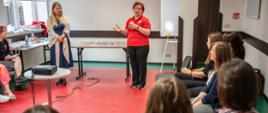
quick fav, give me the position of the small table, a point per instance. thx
(61, 72)
(80, 47)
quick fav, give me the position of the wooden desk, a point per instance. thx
(80, 47)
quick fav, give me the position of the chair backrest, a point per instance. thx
(186, 62)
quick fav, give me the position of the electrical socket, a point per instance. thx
(168, 55)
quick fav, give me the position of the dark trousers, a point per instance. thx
(138, 59)
(191, 82)
(194, 92)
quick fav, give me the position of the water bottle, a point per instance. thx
(26, 39)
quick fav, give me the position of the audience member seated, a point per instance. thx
(168, 95)
(198, 77)
(5, 55)
(4, 79)
(237, 87)
(41, 109)
(236, 43)
(207, 100)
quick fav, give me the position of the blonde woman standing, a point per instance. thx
(58, 30)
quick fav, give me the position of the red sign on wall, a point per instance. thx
(236, 16)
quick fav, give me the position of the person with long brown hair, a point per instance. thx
(237, 87)
(200, 75)
(207, 100)
(137, 30)
(59, 30)
(168, 95)
(196, 79)
(235, 40)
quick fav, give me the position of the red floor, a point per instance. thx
(111, 95)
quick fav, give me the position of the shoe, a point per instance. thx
(64, 82)
(133, 86)
(140, 87)
(11, 96)
(61, 82)
(21, 79)
(4, 99)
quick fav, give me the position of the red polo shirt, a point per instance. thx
(135, 38)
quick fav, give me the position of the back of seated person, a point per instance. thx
(237, 87)
(168, 95)
(40, 109)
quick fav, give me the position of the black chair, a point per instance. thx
(185, 63)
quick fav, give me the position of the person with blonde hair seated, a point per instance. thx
(168, 95)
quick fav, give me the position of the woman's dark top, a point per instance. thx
(4, 49)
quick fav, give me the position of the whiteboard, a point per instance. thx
(253, 9)
(169, 17)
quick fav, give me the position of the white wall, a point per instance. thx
(104, 14)
(99, 15)
(188, 11)
(227, 8)
(255, 27)
(3, 14)
(258, 28)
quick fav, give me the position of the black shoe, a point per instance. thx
(133, 86)
(140, 87)
(64, 82)
(61, 82)
(21, 79)
(20, 87)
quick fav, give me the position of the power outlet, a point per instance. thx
(168, 55)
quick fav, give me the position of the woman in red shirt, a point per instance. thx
(137, 30)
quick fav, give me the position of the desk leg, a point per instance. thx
(44, 49)
(22, 62)
(49, 93)
(80, 63)
(33, 92)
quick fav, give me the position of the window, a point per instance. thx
(24, 12)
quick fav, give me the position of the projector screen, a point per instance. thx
(169, 17)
